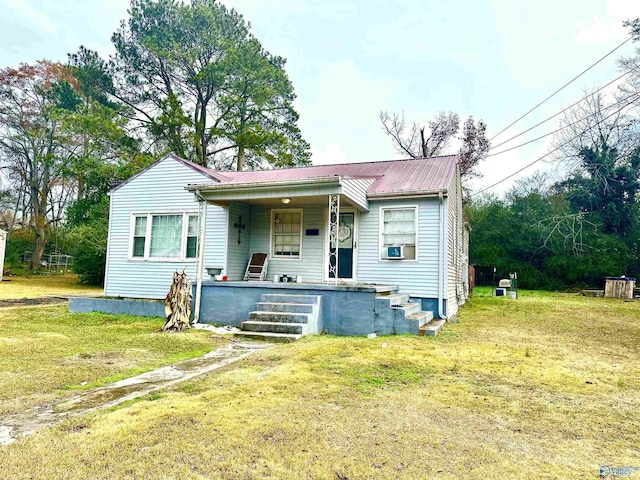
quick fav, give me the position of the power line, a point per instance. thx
(552, 151)
(563, 110)
(561, 88)
(557, 130)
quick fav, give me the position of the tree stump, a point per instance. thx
(177, 304)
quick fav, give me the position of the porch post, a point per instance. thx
(334, 221)
(202, 228)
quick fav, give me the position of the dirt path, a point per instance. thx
(15, 426)
(33, 302)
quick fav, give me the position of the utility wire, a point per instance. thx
(561, 88)
(552, 151)
(559, 129)
(562, 111)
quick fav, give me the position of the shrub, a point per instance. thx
(90, 251)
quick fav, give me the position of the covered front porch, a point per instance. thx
(308, 228)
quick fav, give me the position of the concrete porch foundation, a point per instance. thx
(349, 309)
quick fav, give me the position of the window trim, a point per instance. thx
(272, 254)
(147, 242)
(415, 208)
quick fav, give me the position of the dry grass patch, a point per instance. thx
(533, 388)
(46, 352)
(34, 286)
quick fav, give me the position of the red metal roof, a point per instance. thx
(421, 175)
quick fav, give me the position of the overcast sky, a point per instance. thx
(493, 59)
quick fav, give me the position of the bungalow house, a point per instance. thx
(350, 249)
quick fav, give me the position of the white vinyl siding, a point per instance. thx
(456, 294)
(238, 252)
(159, 190)
(356, 190)
(418, 277)
(311, 263)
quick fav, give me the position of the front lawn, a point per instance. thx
(34, 286)
(546, 386)
(47, 353)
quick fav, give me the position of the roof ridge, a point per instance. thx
(341, 164)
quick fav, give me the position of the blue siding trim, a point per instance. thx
(431, 305)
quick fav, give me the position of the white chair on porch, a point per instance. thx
(257, 267)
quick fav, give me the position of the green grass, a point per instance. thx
(34, 286)
(47, 353)
(547, 386)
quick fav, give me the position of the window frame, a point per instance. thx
(272, 254)
(147, 237)
(381, 244)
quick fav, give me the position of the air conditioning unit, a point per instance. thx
(395, 252)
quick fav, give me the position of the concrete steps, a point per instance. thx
(397, 313)
(283, 317)
(422, 316)
(432, 329)
(269, 336)
(409, 307)
(274, 327)
(284, 307)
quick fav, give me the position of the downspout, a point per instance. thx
(441, 272)
(200, 264)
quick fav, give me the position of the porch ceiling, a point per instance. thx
(301, 192)
(300, 201)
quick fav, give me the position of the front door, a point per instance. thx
(346, 246)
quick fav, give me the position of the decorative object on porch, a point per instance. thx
(257, 267)
(213, 271)
(177, 304)
(239, 226)
(344, 232)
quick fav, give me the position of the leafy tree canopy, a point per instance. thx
(202, 86)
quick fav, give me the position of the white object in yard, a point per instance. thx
(3, 242)
(513, 295)
(371, 335)
(505, 283)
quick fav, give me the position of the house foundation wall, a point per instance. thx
(346, 310)
(118, 306)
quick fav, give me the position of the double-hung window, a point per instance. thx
(399, 229)
(164, 236)
(286, 233)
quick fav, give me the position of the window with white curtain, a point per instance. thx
(400, 228)
(164, 236)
